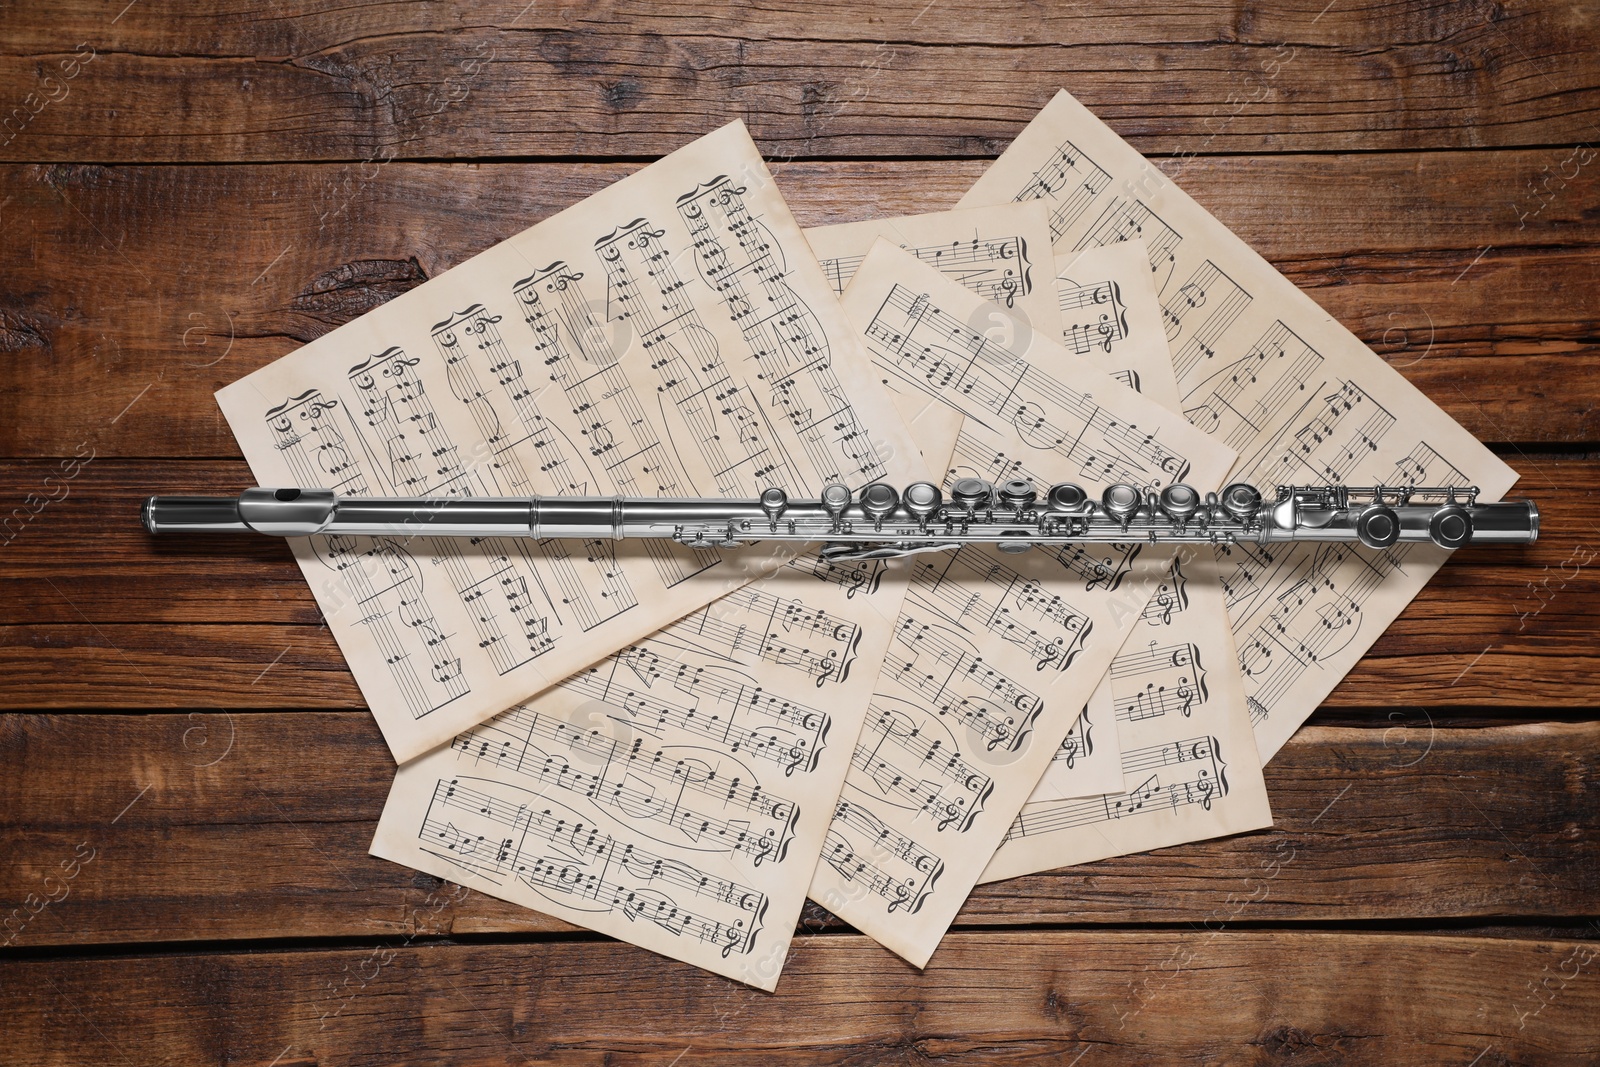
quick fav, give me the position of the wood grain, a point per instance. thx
(990, 998)
(218, 185)
(110, 617)
(133, 293)
(957, 77)
(201, 828)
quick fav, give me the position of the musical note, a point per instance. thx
(712, 703)
(992, 654)
(496, 585)
(1158, 680)
(654, 795)
(910, 761)
(946, 669)
(582, 853)
(1243, 399)
(385, 582)
(859, 577)
(1071, 180)
(1328, 438)
(1022, 610)
(930, 350)
(1265, 370)
(1125, 219)
(577, 352)
(859, 846)
(792, 634)
(737, 256)
(1301, 613)
(1203, 308)
(693, 797)
(1093, 316)
(1172, 777)
(997, 268)
(1423, 465)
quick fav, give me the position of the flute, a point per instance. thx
(880, 522)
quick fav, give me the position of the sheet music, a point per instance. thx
(1111, 316)
(1263, 369)
(672, 335)
(986, 250)
(1174, 686)
(1189, 761)
(675, 795)
(1088, 762)
(1104, 295)
(957, 737)
(1002, 253)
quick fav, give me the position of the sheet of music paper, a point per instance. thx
(676, 794)
(1002, 253)
(1088, 762)
(995, 253)
(1264, 370)
(670, 336)
(1111, 316)
(1189, 762)
(959, 733)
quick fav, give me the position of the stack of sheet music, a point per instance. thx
(704, 739)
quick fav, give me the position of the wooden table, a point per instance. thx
(189, 781)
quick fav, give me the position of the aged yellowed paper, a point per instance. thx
(1088, 762)
(676, 794)
(1110, 314)
(956, 738)
(1189, 760)
(1002, 252)
(672, 335)
(1264, 370)
(1175, 686)
(995, 252)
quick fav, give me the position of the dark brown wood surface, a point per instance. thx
(829, 78)
(188, 780)
(165, 283)
(1407, 819)
(1097, 997)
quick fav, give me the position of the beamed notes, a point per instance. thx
(676, 738)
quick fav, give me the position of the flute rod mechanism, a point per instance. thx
(879, 521)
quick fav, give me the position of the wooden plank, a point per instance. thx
(1089, 997)
(67, 665)
(132, 294)
(73, 550)
(252, 826)
(299, 27)
(110, 617)
(812, 79)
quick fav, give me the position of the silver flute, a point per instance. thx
(879, 521)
